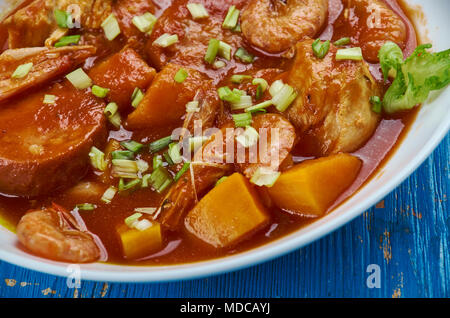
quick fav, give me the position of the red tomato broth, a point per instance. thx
(182, 247)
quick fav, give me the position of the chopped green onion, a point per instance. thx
(244, 102)
(166, 40)
(276, 87)
(192, 107)
(160, 179)
(320, 49)
(284, 98)
(128, 186)
(145, 180)
(124, 168)
(137, 97)
(146, 210)
(181, 75)
(79, 79)
(224, 50)
(145, 22)
(62, 18)
(265, 177)
(49, 99)
(248, 138)
(261, 82)
(231, 20)
(111, 27)
(85, 206)
(226, 94)
(142, 165)
(242, 120)
(143, 225)
(221, 180)
(22, 70)
(197, 11)
(111, 112)
(109, 194)
(66, 40)
(238, 79)
(211, 52)
(237, 28)
(133, 219)
(376, 104)
(132, 145)
(259, 107)
(196, 142)
(123, 154)
(342, 42)
(99, 91)
(244, 56)
(160, 144)
(259, 92)
(157, 162)
(97, 159)
(182, 171)
(168, 159)
(174, 153)
(353, 53)
(219, 64)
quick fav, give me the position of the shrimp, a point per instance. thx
(216, 159)
(275, 25)
(54, 234)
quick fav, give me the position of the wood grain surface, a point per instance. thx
(406, 235)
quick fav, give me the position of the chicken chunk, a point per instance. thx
(333, 109)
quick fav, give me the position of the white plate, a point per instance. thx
(431, 126)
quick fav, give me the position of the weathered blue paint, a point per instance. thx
(408, 238)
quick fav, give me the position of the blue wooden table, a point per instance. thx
(406, 237)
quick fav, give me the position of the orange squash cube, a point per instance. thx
(137, 244)
(228, 213)
(310, 187)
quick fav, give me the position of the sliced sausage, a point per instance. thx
(44, 147)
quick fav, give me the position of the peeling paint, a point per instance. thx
(48, 291)
(104, 290)
(10, 282)
(387, 249)
(380, 205)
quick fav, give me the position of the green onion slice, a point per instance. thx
(97, 159)
(265, 177)
(109, 194)
(49, 99)
(111, 27)
(224, 50)
(166, 40)
(124, 168)
(85, 206)
(160, 179)
(160, 144)
(67, 40)
(133, 219)
(111, 112)
(261, 82)
(128, 186)
(197, 11)
(174, 153)
(242, 120)
(342, 42)
(22, 70)
(226, 94)
(157, 162)
(79, 79)
(354, 53)
(259, 107)
(238, 79)
(99, 91)
(320, 49)
(123, 154)
(244, 102)
(218, 64)
(284, 98)
(244, 56)
(249, 138)
(231, 19)
(183, 170)
(145, 22)
(181, 75)
(132, 145)
(63, 18)
(211, 52)
(192, 107)
(137, 97)
(376, 104)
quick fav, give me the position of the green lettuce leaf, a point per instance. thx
(416, 77)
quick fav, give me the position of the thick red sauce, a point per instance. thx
(181, 247)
